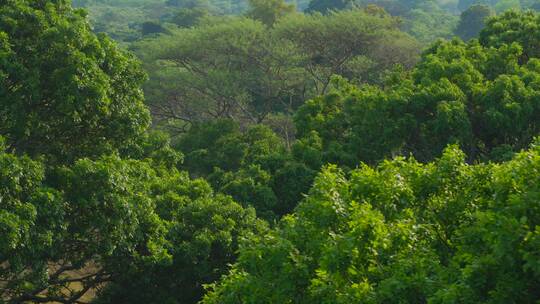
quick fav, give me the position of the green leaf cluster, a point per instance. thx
(402, 232)
(483, 97)
(89, 197)
(254, 166)
(65, 92)
(242, 69)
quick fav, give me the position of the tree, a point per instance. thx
(28, 214)
(97, 198)
(505, 5)
(356, 44)
(472, 21)
(77, 233)
(65, 92)
(269, 11)
(188, 17)
(479, 97)
(513, 26)
(463, 5)
(113, 220)
(230, 69)
(428, 22)
(442, 232)
(150, 27)
(202, 234)
(253, 166)
(323, 6)
(240, 69)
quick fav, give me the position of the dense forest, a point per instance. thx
(270, 151)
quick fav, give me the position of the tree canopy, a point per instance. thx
(65, 92)
(482, 96)
(88, 195)
(442, 232)
(241, 69)
(513, 26)
(472, 21)
(287, 157)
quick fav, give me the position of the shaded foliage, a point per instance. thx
(472, 21)
(254, 167)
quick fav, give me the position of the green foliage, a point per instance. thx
(220, 6)
(156, 146)
(218, 71)
(65, 92)
(505, 5)
(239, 68)
(472, 21)
(122, 19)
(513, 26)
(20, 195)
(149, 28)
(188, 17)
(250, 186)
(324, 6)
(404, 232)
(216, 144)
(202, 235)
(356, 44)
(92, 217)
(252, 166)
(424, 20)
(114, 220)
(474, 95)
(94, 207)
(463, 5)
(269, 11)
(74, 214)
(427, 23)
